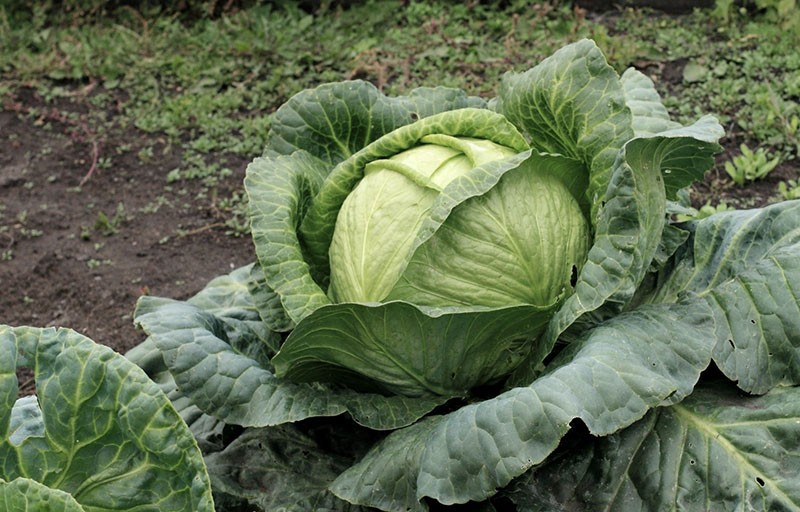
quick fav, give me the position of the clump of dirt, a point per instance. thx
(80, 256)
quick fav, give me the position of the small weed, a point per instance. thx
(7, 255)
(789, 190)
(234, 209)
(108, 226)
(30, 233)
(94, 263)
(750, 166)
(145, 155)
(196, 167)
(706, 210)
(104, 163)
(155, 205)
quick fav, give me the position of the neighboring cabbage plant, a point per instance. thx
(98, 435)
(446, 286)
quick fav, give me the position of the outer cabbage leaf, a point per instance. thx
(267, 302)
(746, 265)
(293, 467)
(716, 449)
(227, 383)
(335, 120)
(278, 190)
(650, 116)
(30, 495)
(228, 298)
(608, 379)
(685, 165)
(207, 430)
(401, 348)
(572, 103)
(100, 430)
(628, 232)
(386, 477)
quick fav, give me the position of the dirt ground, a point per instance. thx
(60, 264)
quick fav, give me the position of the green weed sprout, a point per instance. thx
(750, 166)
(789, 190)
(707, 210)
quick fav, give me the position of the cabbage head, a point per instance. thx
(437, 254)
(519, 243)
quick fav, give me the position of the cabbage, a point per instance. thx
(463, 281)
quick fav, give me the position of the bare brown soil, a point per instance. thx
(59, 266)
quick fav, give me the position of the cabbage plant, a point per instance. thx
(459, 300)
(97, 436)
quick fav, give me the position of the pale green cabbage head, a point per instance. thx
(520, 243)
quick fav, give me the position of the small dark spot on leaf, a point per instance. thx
(760, 481)
(573, 280)
(730, 342)
(752, 321)
(414, 116)
(691, 461)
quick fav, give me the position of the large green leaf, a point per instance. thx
(268, 302)
(24, 494)
(650, 116)
(572, 103)
(286, 460)
(682, 163)
(386, 477)
(292, 466)
(716, 450)
(335, 120)
(206, 429)
(629, 231)
(228, 297)
(278, 190)
(99, 431)
(225, 382)
(746, 265)
(404, 349)
(608, 379)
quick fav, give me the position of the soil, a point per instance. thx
(60, 263)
